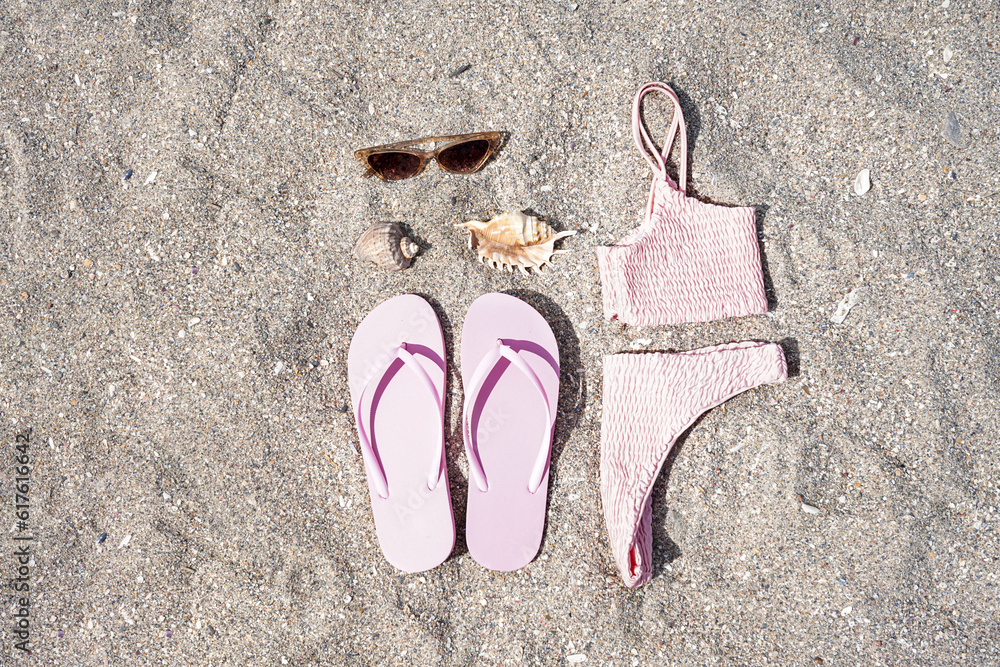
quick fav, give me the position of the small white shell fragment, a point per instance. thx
(125, 541)
(278, 367)
(150, 178)
(846, 611)
(863, 182)
(809, 509)
(947, 54)
(193, 321)
(180, 334)
(845, 305)
(578, 657)
(640, 342)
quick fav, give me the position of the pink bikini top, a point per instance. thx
(689, 261)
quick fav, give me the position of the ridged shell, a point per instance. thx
(514, 239)
(385, 244)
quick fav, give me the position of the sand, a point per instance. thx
(176, 342)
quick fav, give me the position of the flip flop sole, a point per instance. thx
(415, 527)
(504, 524)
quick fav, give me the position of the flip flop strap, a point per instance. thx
(656, 160)
(486, 365)
(375, 471)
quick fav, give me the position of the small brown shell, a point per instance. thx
(514, 239)
(384, 244)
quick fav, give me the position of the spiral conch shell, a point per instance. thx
(514, 239)
(385, 245)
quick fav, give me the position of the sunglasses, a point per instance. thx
(459, 154)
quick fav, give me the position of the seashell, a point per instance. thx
(845, 305)
(863, 182)
(384, 244)
(514, 239)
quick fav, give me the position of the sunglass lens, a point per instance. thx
(394, 166)
(466, 157)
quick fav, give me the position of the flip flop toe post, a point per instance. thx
(396, 369)
(510, 375)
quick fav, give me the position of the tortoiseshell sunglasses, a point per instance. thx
(459, 154)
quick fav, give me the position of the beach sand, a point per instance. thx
(176, 342)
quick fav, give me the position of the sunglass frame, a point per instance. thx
(494, 139)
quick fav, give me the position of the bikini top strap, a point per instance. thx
(656, 160)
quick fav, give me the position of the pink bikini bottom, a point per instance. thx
(649, 401)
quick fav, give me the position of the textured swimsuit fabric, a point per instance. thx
(649, 401)
(689, 261)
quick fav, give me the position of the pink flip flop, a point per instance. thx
(510, 372)
(396, 372)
